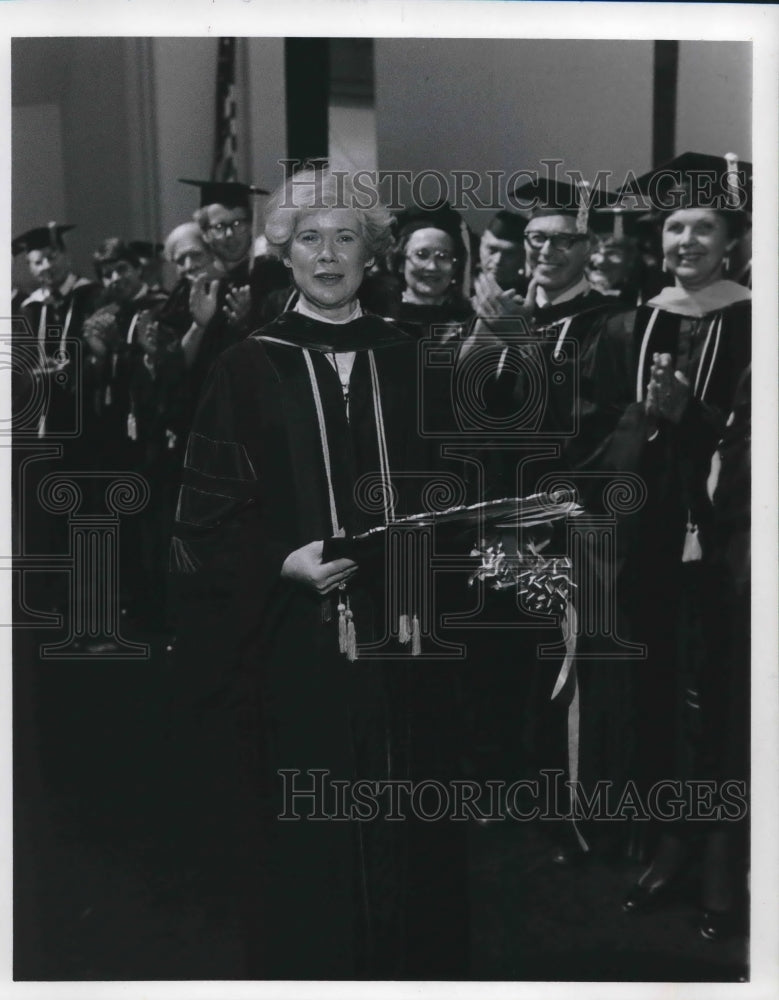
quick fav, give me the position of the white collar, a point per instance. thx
(543, 299)
(302, 307)
(702, 301)
(41, 294)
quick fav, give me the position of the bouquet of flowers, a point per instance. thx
(544, 585)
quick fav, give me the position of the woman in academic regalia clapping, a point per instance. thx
(692, 345)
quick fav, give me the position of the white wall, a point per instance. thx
(267, 124)
(104, 127)
(496, 104)
(715, 110)
(184, 81)
(184, 89)
(38, 182)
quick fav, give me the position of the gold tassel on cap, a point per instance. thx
(732, 180)
(619, 224)
(583, 213)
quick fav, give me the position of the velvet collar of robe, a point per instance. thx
(700, 302)
(365, 333)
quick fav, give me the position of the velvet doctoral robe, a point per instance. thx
(663, 585)
(260, 682)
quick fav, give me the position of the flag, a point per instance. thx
(226, 132)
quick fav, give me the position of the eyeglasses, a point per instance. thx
(223, 228)
(442, 257)
(560, 241)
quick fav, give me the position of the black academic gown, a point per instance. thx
(561, 388)
(663, 583)
(262, 276)
(260, 685)
(50, 323)
(50, 419)
(567, 389)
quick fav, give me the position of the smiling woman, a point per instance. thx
(692, 345)
(328, 258)
(291, 422)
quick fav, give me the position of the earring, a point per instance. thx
(665, 266)
(726, 263)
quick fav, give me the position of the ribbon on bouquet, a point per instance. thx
(568, 671)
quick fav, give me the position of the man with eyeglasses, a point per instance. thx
(227, 309)
(562, 316)
(562, 378)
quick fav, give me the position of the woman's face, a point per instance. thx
(428, 266)
(328, 260)
(695, 241)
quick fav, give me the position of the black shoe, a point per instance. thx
(647, 898)
(715, 925)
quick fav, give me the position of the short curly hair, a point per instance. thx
(311, 191)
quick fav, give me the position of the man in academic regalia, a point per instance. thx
(224, 312)
(625, 260)
(502, 252)
(52, 314)
(561, 387)
(115, 335)
(47, 392)
(554, 334)
(136, 388)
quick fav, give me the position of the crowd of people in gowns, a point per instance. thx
(288, 395)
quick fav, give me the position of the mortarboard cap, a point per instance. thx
(696, 180)
(231, 194)
(40, 238)
(617, 221)
(506, 225)
(439, 216)
(545, 196)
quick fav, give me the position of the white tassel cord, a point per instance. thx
(347, 632)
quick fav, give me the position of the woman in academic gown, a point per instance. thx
(299, 437)
(691, 345)
(432, 263)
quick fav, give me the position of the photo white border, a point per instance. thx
(482, 18)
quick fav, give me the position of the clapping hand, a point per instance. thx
(101, 333)
(493, 307)
(237, 304)
(493, 304)
(203, 299)
(147, 332)
(668, 391)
